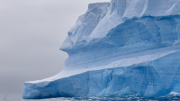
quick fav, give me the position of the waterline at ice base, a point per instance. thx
(125, 47)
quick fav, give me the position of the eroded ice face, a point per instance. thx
(79, 34)
(102, 17)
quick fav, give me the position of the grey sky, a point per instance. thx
(31, 32)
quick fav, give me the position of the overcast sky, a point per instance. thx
(31, 32)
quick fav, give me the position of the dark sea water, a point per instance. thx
(122, 98)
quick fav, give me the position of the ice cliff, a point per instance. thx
(124, 47)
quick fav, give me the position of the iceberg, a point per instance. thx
(121, 47)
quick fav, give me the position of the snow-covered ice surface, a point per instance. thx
(125, 47)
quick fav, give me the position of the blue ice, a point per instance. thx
(124, 47)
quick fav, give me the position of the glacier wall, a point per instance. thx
(124, 47)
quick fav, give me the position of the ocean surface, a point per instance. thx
(170, 97)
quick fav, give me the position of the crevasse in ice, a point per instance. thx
(124, 47)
